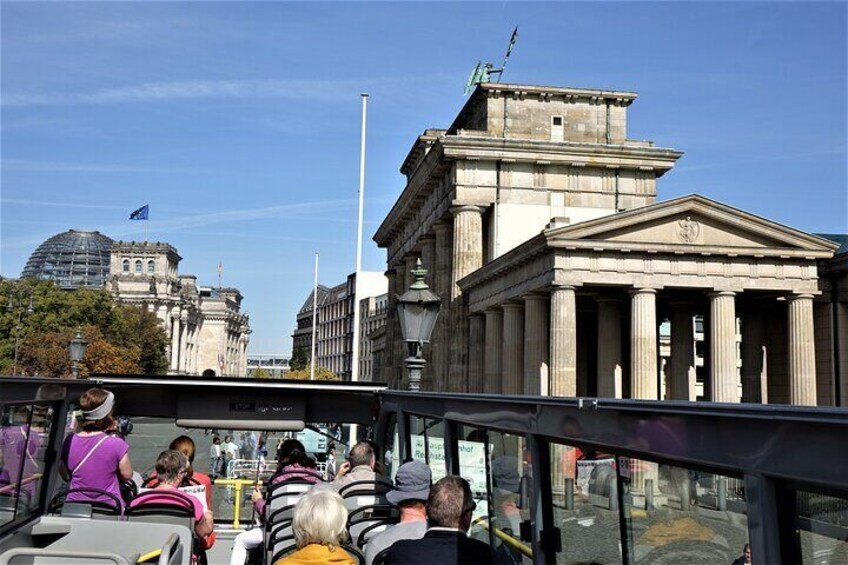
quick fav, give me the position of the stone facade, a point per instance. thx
(553, 259)
(207, 330)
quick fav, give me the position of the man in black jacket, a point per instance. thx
(449, 509)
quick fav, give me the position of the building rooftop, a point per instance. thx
(840, 238)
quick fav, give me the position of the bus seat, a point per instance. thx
(365, 493)
(96, 508)
(43, 556)
(177, 510)
(367, 521)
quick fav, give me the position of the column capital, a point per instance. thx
(442, 226)
(493, 310)
(461, 208)
(536, 295)
(721, 293)
(390, 273)
(512, 306)
(800, 296)
(557, 286)
(642, 290)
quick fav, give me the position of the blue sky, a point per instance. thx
(239, 123)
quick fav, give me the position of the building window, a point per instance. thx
(150, 266)
(138, 265)
(126, 265)
(557, 128)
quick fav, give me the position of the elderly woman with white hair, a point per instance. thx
(320, 527)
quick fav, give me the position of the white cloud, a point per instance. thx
(166, 91)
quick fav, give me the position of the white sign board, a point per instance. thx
(584, 472)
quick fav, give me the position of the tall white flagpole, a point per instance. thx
(354, 362)
(313, 360)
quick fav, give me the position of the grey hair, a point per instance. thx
(169, 465)
(320, 517)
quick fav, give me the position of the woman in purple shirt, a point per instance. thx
(92, 458)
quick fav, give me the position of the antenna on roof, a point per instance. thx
(483, 72)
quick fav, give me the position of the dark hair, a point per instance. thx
(91, 399)
(185, 445)
(361, 454)
(216, 440)
(292, 452)
(450, 498)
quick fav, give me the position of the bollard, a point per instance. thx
(685, 495)
(569, 494)
(237, 506)
(649, 494)
(721, 488)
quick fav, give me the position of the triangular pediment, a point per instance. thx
(692, 221)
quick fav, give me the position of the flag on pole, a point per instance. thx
(141, 213)
(512, 41)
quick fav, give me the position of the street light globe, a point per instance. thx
(418, 309)
(77, 347)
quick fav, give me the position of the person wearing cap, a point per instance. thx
(92, 458)
(450, 506)
(412, 487)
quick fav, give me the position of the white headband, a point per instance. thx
(101, 411)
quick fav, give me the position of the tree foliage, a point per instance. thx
(321, 374)
(299, 359)
(121, 338)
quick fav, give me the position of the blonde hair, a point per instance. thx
(320, 517)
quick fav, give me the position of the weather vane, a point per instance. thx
(483, 72)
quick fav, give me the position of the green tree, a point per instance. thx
(122, 338)
(321, 374)
(299, 359)
(261, 373)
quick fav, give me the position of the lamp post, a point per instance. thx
(76, 348)
(17, 303)
(418, 309)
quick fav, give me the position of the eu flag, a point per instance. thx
(141, 213)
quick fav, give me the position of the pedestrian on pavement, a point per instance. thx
(215, 457)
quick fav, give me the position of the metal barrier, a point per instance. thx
(237, 485)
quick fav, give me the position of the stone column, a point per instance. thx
(427, 244)
(681, 373)
(442, 287)
(391, 330)
(802, 351)
(411, 264)
(643, 344)
(466, 258)
(399, 349)
(563, 342)
(513, 348)
(609, 348)
(754, 365)
(723, 347)
(183, 341)
(536, 346)
(175, 341)
(476, 352)
(494, 355)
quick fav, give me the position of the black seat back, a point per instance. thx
(96, 507)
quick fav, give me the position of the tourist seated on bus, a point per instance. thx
(412, 487)
(292, 464)
(185, 445)
(319, 524)
(93, 458)
(359, 466)
(172, 467)
(449, 509)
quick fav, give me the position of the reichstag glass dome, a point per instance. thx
(73, 259)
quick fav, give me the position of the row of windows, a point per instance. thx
(151, 267)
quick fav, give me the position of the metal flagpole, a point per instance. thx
(312, 359)
(354, 362)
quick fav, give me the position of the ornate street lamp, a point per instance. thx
(418, 309)
(77, 351)
(18, 303)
